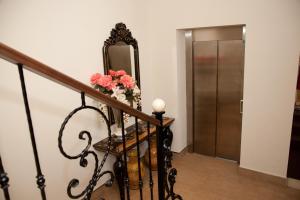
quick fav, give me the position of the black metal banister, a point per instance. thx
(126, 178)
(150, 164)
(138, 158)
(40, 177)
(164, 136)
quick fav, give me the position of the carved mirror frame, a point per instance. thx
(121, 34)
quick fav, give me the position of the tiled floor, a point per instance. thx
(200, 177)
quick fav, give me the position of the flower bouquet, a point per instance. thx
(122, 87)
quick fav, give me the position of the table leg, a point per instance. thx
(119, 174)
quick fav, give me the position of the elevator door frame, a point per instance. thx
(190, 88)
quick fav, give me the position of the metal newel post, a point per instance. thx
(159, 106)
(160, 156)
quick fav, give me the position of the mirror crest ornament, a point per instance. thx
(121, 34)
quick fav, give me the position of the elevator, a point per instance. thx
(217, 90)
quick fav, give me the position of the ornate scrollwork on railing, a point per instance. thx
(172, 180)
(4, 180)
(121, 33)
(40, 181)
(85, 135)
(170, 174)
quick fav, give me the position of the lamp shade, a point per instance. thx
(158, 105)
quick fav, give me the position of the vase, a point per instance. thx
(117, 127)
(153, 154)
(133, 169)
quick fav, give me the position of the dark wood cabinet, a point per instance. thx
(294, 156)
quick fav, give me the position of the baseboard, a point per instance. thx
(293, 183)
(263, 176)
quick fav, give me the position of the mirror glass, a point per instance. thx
(121, 56)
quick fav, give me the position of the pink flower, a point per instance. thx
(112, 72)
(120, 73)
(117, 73)
(127, 81)
(94, 78)
(112, 85)
(105, 81)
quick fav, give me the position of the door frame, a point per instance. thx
(190, 86)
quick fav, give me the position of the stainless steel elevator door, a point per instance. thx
(217, 91)
(229, 95)
(204, 96)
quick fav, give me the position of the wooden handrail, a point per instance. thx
(16, 57)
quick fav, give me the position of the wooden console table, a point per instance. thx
(117, 146)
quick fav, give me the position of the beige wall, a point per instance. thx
(67, 35)
(272, 50)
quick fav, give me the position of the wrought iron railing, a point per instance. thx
(166, 174)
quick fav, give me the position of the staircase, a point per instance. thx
(160, 187)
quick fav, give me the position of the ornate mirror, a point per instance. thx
(120, 51)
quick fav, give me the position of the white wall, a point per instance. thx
(272, 51)
(67, 35)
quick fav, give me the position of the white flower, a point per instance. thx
(136, 90)
(117, 91)
(103, 108)
(122, 98)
